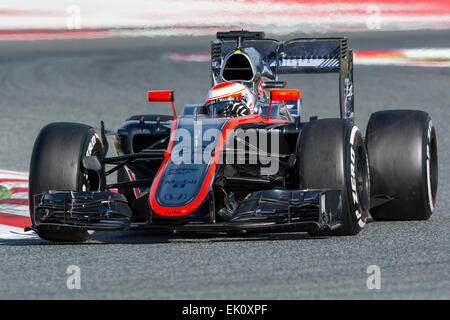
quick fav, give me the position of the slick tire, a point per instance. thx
(403, 162)
(56, 164)
(332, 155)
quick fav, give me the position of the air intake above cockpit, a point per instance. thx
(237, 67)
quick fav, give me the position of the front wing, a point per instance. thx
(261, 211)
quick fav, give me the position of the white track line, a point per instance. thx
(10, 185)
(16, 209)
(13, 173)
(16, 234)
(19, 195)
(7, 229)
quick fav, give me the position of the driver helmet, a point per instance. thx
(237, 98)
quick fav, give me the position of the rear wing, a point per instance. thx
(311, 55)
(301, 55)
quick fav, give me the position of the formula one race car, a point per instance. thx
(241, 161)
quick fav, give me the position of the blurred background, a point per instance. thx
(200, 17)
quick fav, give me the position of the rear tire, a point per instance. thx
(331, 154)
(403, 161)
(56, 164)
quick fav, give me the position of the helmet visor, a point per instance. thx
(221, 107)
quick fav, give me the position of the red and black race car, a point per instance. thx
(241, 161)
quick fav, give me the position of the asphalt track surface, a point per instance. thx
(88, 80)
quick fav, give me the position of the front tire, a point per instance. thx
(332, 155)
(56, 164)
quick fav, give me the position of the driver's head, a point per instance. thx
(230, 99)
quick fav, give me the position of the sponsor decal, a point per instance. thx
(358, 212)
(353, 166)
(91, 145)
(175, 196)
(181, 171)
(89, 150)
(181, 183)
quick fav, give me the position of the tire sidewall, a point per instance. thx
(92, 147)
(357, 214)
(327, 152)
(429, 136)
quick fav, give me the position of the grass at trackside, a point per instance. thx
(4, 193)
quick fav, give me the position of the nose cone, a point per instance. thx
(184, 180)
